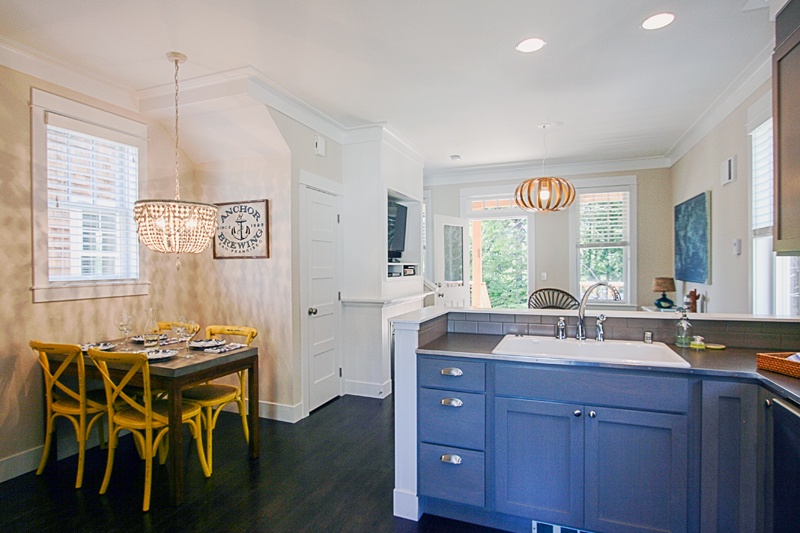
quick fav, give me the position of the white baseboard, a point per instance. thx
(406, 505)
(273, 411)
(21, 463)
(370, 390)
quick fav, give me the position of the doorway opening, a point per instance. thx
(499, 257)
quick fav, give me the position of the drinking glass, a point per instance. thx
(179, 327)
(189, 328)
(124, 323)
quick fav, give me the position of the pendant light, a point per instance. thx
(545, 193)
(175, 226)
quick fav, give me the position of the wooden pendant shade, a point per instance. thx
(544, 194)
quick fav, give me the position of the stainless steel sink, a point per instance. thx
(610, 351)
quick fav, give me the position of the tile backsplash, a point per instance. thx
(781, 336)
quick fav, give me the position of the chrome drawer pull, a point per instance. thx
(455, 372)
(452, 402)
(451, 459)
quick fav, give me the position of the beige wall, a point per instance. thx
(698, 171)
(259, 292)
(21, 397)
(300, 140)
(654, 224)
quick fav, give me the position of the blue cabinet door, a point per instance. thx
(636, 471)
(539, 460)
(730, 483)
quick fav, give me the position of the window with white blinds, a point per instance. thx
(603, 243)
(87, 168)
(92, 184)
(776, 280)
(761, 140)
(604, 218)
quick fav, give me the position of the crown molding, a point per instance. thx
(385, 133)
(754, 76)
(250, 82)
(530, 169)
(34, 63)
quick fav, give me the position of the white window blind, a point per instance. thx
(92, 183)
(762, 206)
(604, 219)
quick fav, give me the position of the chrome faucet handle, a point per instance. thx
(599, 334)
(561, 328)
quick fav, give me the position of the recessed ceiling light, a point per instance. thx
(455, 157)
(658, 21)
(531, 45)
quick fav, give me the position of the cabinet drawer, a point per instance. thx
(440, 477)
(450, 373)
(452, 418)
(593, 387)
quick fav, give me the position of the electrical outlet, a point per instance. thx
(544, 276)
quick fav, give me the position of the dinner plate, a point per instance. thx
(103, 346)
(206, 343)
(140, 339)
(158, 355)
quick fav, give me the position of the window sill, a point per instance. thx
(89, 291)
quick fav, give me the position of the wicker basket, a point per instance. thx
(776, 362)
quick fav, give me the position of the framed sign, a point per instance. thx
(242, 230)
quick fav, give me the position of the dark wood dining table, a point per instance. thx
(173, 376)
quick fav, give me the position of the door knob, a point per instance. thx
(312, 310)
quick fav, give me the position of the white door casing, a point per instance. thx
(451, 260)
(320, 306)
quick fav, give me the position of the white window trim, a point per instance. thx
(758, 113)
(43, 290)
(591, 185)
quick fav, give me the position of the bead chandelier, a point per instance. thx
(544, 194)
(175, 226)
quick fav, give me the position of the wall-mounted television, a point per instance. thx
(397, 229)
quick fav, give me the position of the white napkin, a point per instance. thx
(794, 357)
(222, 349)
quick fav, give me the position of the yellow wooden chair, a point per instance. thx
(214, 396)
(168, 326)
(147, 419)
(83, 408)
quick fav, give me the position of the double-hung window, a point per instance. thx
(604, 236)
(87, 168)
(774, 279)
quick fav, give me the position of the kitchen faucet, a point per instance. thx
(580, 332)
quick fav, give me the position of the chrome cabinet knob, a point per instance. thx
(592, 414)
(577, 412)
(312, 310)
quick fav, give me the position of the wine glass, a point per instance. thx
(124, 323)
(179, 327)
(187, 330)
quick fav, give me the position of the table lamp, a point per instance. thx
(664, 285)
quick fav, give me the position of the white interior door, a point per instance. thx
(320, 296)
(451, 260)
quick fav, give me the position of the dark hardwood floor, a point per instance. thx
(333, 471)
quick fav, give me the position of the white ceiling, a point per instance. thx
(443, 73)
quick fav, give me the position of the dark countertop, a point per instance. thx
(738, 363)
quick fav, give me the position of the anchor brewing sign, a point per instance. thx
(242, 230)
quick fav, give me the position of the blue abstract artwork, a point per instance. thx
(693, 239)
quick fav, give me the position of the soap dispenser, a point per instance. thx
(683, 330)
